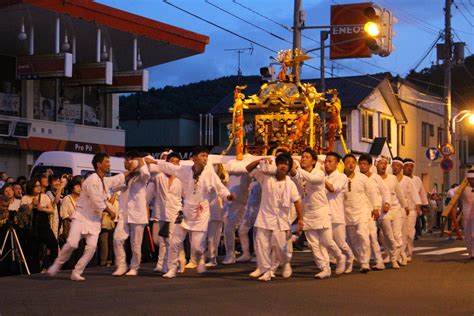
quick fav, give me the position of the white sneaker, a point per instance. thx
(395, 265)
(158, 268)
(349, 264)
(254, 260)
(191, 265)
(230, 260)
(287, 271)
(120, 271)
(201, 268)
(76, 276)
(341, 265)
(54, 269)
(364, 268)
(379, 266)
(170, 274)
(244, 258)
(256, 273)
(409, 258)
(386, 259)
(267, 276)
(325, 274)
(182, 267)
(132, 272)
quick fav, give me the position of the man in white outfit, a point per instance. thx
(233, 216)
(365, 163)
(167, 193)
(336, 186)
(392, 220)
(133, 217)
(408, 168)
(86, 220)
(413, 202)
(248, 220)
(467, 200)
(317, 221)
(197, 180)
(273, 223)
(361, 204)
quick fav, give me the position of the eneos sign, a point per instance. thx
(347, 21)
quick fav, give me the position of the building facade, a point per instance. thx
(64, 64)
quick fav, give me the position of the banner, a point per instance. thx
(71, 113)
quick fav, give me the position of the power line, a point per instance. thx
(462, 3)
(462, 13)
(220, 27)
(427, 53)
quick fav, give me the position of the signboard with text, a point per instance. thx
(91, 74)
(347, 31)
(44, 66)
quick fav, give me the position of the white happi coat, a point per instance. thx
(412, 197)
(316, 212)
(167, 198)
(276, 203)
(336, 198)
(133, 199)
(196, 206)
(397, 201)
(361, 200)
(381, 189)
(91, 202)
(418, 184)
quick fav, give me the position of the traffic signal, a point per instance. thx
(379, 30)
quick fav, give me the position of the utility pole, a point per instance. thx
(296, 30)
(447, 82)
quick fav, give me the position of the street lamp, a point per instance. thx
(459, 118)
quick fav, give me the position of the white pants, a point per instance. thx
(268, 242)
(322, 238)
(390, 228)
(339, 235)
(163, 244)
(469, 236)
(75, 235)
(374, 242)
(245, 227)
(409, 232)
(358, 237)
(214, 233)
(232, 219)
(121, 233)
(198, 242)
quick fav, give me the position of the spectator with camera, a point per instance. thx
(40, 234)
(55, 192)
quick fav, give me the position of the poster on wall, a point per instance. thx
(9, 104)
(71, 113)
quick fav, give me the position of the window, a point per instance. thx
(427, 131)
(441, 137)
(402, 135)
(386, 124)
(367, 122)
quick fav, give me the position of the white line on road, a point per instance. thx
(443, 251)
(423, 248)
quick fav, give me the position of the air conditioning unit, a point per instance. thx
(6, 127)
(21, 130)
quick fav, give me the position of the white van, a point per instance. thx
(61, 162)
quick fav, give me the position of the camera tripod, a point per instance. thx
(15, 250)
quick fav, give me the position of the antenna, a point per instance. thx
(240, 51)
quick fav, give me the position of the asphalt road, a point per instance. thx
(433, 284)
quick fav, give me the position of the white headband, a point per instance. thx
(379, 159)
(397, 161)
(470, 175)
(409, 163)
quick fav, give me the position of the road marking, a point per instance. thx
(423, 248)
(443, 251)
(465, 254)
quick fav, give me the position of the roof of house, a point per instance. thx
(352, 90)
